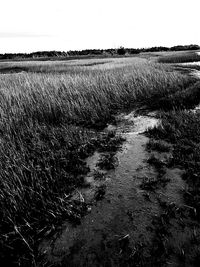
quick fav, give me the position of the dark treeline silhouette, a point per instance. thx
(95, 52)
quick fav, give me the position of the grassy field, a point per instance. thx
(178, 57)
(51, 117)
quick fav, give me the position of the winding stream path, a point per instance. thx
(121, 219)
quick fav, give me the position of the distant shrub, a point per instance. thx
(133, 51)
(121, 51)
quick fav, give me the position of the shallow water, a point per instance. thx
(125, 212)
(194, 72)
(193, 63)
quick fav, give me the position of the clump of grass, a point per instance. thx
(158, 145)
(110, 142)
(157, 162)
(98, 175)
(100, 192)
(107, 161)
(149, 184)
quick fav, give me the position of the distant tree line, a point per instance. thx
(96, 52)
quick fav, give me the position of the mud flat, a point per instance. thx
(120, 207)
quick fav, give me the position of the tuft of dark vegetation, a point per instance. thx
(149, 184)
(121, 51)
(110, 142)
(156, 161)
(152, 184)
(158, 145)
(108, 161)
(100, 192)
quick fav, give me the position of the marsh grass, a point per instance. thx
(179, 57)
(181, 128)
(49, 123)
(181, 99)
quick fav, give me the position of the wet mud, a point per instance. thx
(122, 202)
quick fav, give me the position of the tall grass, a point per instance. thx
(181, 129)
(180, 57)
(47, 126)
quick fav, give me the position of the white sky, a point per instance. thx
(33, 25)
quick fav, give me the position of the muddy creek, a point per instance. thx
(121, 218)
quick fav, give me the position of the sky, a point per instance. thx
(62, 25)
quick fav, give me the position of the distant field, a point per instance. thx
(67, 66)
(50, 115)
(179, 57)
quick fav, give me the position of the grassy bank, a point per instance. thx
(181, 129)
(179, 57)
(50, 119)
